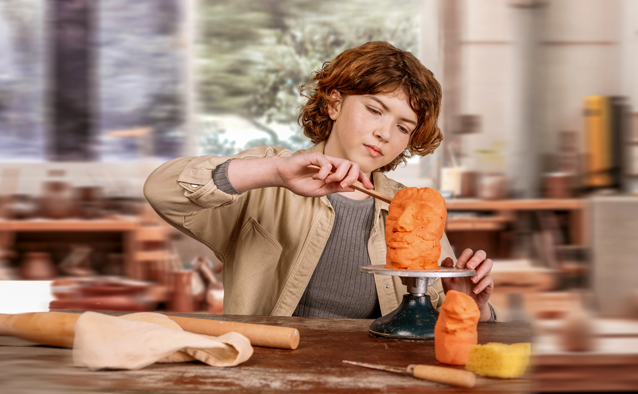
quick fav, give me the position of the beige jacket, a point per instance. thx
(269, 239)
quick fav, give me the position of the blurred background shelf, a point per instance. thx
(497, 226)
(473, 204)
(115, 224)
(133, 236)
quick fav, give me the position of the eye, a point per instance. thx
(373, 110)
(404, 130)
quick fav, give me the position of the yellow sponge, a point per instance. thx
(499, 360)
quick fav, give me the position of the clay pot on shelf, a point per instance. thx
(215, 298)
(58, 200)
(37, 266)
(182, 284)
(18, 207)
(492, 186)
(119, 205)
(90, 201)
(469, 184)
(558, 185)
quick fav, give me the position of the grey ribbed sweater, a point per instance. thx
(336, 289)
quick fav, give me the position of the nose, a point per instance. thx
(382, 131)
(406, 221)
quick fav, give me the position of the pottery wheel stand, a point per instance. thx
(415, 318)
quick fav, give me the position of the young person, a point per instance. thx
(292, 238)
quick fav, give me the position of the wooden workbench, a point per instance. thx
(314, 367)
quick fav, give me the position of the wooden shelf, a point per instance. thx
(124, 224)
(485, 224)
(506, 211)
(472, 204)
(132, 228)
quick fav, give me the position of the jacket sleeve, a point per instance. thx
(183, 192)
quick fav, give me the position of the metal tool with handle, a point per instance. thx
(359, 186)
(450, 376)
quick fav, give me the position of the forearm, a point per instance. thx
(248, 174)
(486, 313)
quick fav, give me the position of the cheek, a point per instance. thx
(400, 143)
(359, 123)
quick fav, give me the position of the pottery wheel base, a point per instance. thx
(415, 318)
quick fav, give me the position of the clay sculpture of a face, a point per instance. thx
(455, 332)
(414, 228)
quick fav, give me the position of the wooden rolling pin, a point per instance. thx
(58, 329)
(259, 334)
(46, 328)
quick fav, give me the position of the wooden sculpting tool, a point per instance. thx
(453, 377)
(359, 186)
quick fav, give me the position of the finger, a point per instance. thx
(486, 284)
(483, 270)
(365, 180)
(463, 258)
(341, 172)
(448, 262)
(333, 187)
(337, 188)
(351, 177)
(476, 259)
(326, 167)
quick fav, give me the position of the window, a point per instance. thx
(22, 80)
(252, 56)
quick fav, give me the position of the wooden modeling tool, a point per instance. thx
(359, 186)
(450, 376)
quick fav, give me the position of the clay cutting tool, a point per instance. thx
(450, 376)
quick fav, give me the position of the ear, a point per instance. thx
(334, 107)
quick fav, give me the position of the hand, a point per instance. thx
(297, 177)
(479, 286)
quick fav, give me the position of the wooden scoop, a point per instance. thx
(359, 186)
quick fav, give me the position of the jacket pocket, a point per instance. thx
(255, 268)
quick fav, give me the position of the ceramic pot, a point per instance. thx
(493, 186)
(469, 184)
(37, 266)
(123, 205)
(215, 298)
(19, 206)
(182, 291)
(58, 200)
(558, 185)
(90, 202)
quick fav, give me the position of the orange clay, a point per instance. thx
(455, 330)
(414, 228)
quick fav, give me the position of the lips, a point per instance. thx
(374, 151)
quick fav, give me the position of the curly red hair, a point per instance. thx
(373, 68)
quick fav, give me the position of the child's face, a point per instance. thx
(371, 130)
